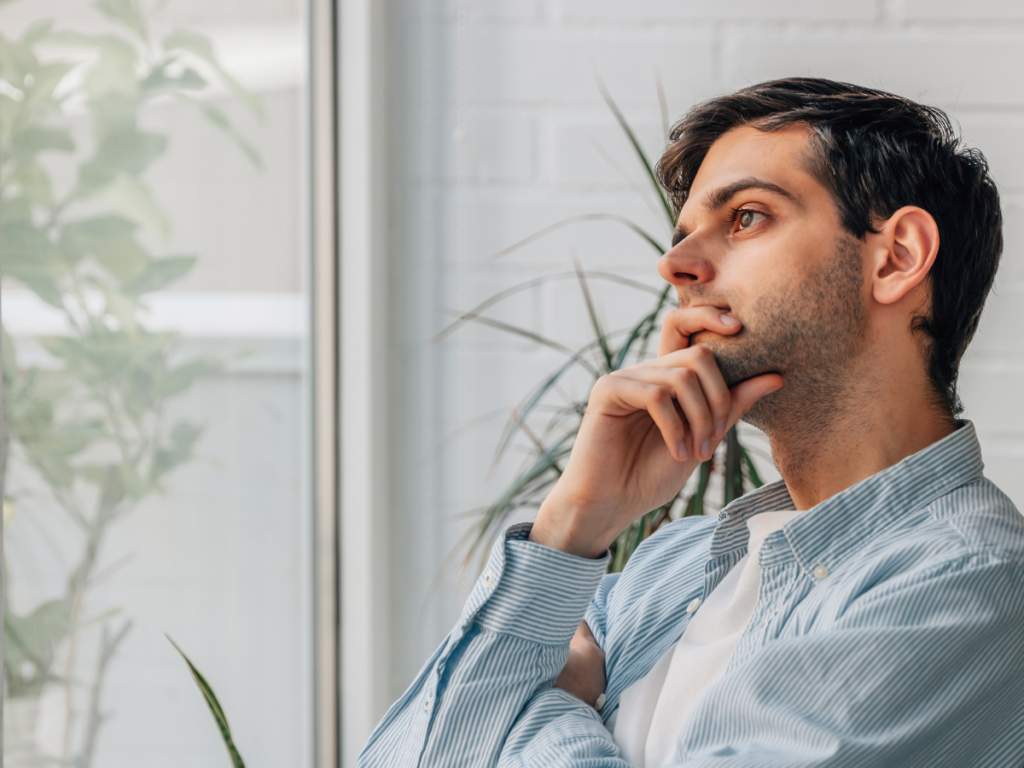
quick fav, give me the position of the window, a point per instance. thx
(158, 364)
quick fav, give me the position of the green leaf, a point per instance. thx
(73, 39)
(159, 80)
(732, 469)
(30, 256)
(124, 11)
(158, 273)
(642, 330)
(176, 381)
(527, 484)
(32, 184)
(599, 334)
(134, 486)
(755, 478)
(526, 334)
(9, 364)
(116, 70)
(641, 155)
(34, 140)
(45, 80)
(111, 241)
(10, 109)
(695, 506)
(133, 199)
(126, 151)
(182, 440)
(94, 232)
(215, 709)
(103, 358)
(34, 637)
(532, 400)
(201, 47)
(70, 438)
(108, 478)
(650, 239)
(220, 120)
(473, 313)
(37, 31)
(121, 307)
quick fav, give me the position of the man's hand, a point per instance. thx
(583, 673)
(645, 430)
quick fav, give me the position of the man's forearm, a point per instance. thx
(511, 642)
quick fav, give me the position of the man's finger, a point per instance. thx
(701, 361)
(584, 633)
(748, 392)
(680, 324)
(622, 395)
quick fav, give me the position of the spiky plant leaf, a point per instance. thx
(215, 708)
(641, 155)
(541, 233)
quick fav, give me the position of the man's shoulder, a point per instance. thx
(982, 518)
(974, 527)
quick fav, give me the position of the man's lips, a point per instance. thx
(707, 335)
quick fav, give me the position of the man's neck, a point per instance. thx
(859, 439)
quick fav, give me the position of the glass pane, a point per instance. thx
(154, 170)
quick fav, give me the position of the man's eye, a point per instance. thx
(747, 218)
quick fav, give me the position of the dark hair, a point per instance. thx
(875, 152)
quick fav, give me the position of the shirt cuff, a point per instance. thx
(532, 591)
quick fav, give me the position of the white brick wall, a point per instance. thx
(673, 11)
(523, 75)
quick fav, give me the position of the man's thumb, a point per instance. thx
(748, 392)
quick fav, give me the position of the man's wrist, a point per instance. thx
(570, 528)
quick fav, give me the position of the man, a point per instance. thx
(834, 248)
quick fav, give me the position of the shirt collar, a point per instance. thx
(829, 531)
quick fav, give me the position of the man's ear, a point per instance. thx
(906, 246)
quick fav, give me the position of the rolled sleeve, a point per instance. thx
(511, 642)
(531, 591)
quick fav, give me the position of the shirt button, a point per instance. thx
(488, 579)
(693, 606)
(426, 704)
(820, 572)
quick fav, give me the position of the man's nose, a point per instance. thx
(686, 265)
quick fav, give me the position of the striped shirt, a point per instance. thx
(889, 631)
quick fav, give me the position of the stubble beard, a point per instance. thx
(810, 333)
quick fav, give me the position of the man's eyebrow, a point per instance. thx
(717, 198)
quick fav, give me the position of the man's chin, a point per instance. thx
(735, 365)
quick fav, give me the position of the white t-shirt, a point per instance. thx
(653, 710)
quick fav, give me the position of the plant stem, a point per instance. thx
(77, 585)
(108, 646)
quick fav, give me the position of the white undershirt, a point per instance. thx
(653, 710)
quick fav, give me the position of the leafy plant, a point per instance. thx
(85, 431)
(548, 446)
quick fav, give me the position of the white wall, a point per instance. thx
(496, 118)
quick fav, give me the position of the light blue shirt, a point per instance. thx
(888, 631)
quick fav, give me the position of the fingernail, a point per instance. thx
(720, 430)
(683, 454)
(728, 319)
(705, 449)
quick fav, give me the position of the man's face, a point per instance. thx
(759, 237)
